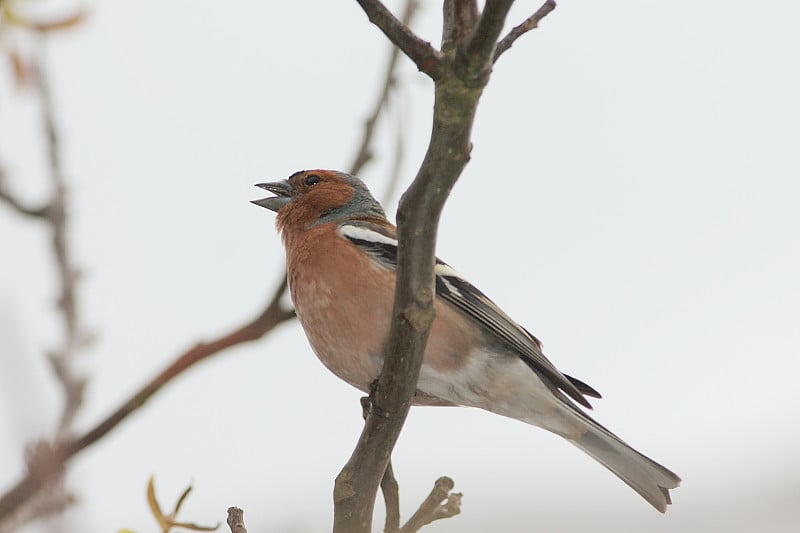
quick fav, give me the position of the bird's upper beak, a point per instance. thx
(283, 195)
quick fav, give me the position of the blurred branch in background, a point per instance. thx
(30, 73)
(33, 495)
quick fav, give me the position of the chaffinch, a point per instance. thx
(341, 257)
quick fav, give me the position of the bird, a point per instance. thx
(341, 261)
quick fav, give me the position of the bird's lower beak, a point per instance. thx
(283, 195)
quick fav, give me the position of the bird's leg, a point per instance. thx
(368, 403)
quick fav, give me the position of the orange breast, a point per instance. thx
(344, 302)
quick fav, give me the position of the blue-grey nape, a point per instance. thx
(362, 204)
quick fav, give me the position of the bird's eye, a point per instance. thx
(312, 179)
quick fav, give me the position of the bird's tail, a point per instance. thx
(651, 480)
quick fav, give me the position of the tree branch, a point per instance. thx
(419, 51)
(529, 24)
(7, 197)
(472, 63)
(391, 500)
(389, 486)
(459, 20)
(62, 358)
(457, 91)
(271, 317)
(433, 508)
(236, 520)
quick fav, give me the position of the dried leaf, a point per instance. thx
(167, 522)
(154, 507)
(14, 18)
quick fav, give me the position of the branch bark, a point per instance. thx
(529, 24)
(418, 50)
(236, 520)
(472, 63)
(433, 508)
(462, 75)
(459, 18)
(11, 200)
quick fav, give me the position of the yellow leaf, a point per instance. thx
(154, 507)
(17, 19)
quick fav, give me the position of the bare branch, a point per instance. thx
(458, 90)
(459, 20)
(391, 500)
(61, 359)
(389, 486)
(439, 504)
(529, 24)
(419, 51)
(236, 520)
(271, 317)
(364, 153)
(472, 62)
(42, 460)
(16, 204)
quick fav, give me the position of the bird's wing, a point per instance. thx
(380, 243)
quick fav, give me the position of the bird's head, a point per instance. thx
(312, 197)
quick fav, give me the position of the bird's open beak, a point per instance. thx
(283, 195)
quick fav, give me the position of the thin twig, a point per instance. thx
(61, 359)
(418, 50)
(529, 24)
(391, 500)
(271, 317)
(7, 197)
(439, 504)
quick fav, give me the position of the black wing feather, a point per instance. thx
(452, 288)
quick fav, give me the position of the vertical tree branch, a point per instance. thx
(462, 76)
(458, 21)
(62, 358)
(472, 58)
(391, 500)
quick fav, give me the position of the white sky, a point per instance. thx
(632, 199)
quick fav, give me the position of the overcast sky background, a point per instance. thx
(632, 199)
